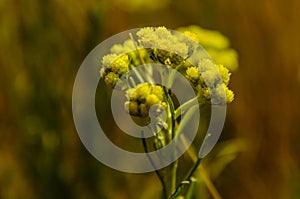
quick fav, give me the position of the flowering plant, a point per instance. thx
(148, 100)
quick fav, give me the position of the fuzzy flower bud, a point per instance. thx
(111, 79)
(222, 91)
(210, 78)
(225, 74)
(192, 74)
(114, 67)
(147, 36)
(120, 66)
(165, 47)
(108, 59)
(210, 81)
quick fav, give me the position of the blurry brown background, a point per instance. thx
(42, 44)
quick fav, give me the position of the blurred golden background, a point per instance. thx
(42, 44)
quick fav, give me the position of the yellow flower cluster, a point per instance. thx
(163, 46)
(211, 82)
(193, 75)
(160, 45)
(140, 99)
(114, 67)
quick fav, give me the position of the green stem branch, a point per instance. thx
(174, 165)
(156, 171)
(187, 179)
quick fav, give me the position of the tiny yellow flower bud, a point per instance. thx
(152, 99)
(229, 95)
(164, 105)
(206, 94)
(158, 91)
(133, 108)
(143, 90)
(144, 111)
(225, 74)
(193, 74)
(111, 79)
(121, 65)
(108, 59)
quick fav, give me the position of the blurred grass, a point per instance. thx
(42, 45)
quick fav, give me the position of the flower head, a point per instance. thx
(147, 36)
(143, 97)
(210, 81)
(113, 67)
(165, 47)
(193, 75)
(225, 74)
(222, 94)
(111, 79)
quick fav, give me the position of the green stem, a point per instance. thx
(173, 175)
(191, 191)
(187, 179)
(164, 192)
(194, 168)
(174, 165)
(172, 111)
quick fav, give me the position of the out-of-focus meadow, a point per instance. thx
(42, 45)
